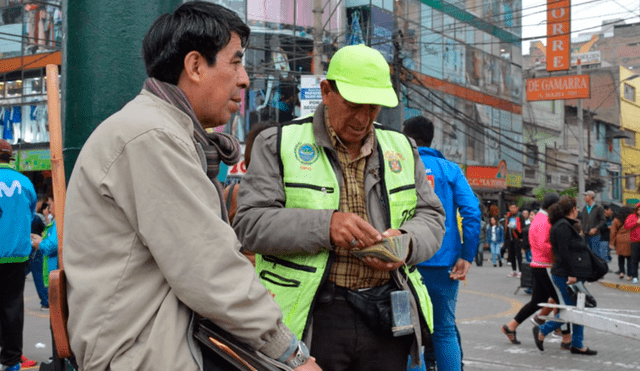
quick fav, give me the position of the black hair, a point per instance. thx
(623, 213)
(561, 209)
(549, 199)
(194, 26)
(251, 137)
(333, 85)
(5, 157)
(420, 129)
(43, 206)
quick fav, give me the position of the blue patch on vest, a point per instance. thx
(306, 153)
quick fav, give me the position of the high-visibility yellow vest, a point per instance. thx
(310, 183)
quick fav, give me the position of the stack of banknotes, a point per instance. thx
(391, 249)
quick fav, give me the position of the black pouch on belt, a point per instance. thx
(374, 305)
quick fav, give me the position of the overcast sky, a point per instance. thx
(586, 16)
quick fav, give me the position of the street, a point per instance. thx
(485, 303)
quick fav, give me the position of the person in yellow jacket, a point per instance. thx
(322, 186)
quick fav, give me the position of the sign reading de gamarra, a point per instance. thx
(558, 35)
(561, 87)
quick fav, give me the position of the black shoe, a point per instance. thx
(586, 352)
(511, 335)
(539, 343)
(500, 262)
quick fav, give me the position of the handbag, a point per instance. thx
(239, 355)
(599, 267)
(575, 288)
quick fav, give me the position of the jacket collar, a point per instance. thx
(428, 151)
(319, 129)
(174, 111)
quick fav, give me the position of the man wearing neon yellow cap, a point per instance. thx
(324, 186)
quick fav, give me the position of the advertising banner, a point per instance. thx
(561, 87)
(310, 96)
(488, 177)
(558, 35)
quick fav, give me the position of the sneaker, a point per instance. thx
(512, 274)
(15, 367)
(26, 362)
(634, 280)
(519, 274)
(537, 321)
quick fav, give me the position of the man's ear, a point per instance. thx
(325, 90)
(193, 63)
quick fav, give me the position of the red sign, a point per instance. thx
(558, 35)
(561, 87)
(488, 177)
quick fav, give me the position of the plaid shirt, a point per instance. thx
(347, 270)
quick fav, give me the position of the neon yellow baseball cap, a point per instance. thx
(362, 76)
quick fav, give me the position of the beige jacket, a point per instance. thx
(145, 247)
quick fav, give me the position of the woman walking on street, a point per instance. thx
(568, 248)
(632, 223)
(495, 236)
(620, 239)
(541, 262)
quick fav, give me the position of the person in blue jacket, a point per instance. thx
(47, 244)
(17, 209)
(451, 263)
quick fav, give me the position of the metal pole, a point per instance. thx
(580, 199)
(317, 37)
(398, 117)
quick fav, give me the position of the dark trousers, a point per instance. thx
(515, 254)
(12, 277)
(35, 265)
(541, 291)
(624, 268)
(635, 258)
(341, 340)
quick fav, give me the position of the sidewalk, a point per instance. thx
(611, 279)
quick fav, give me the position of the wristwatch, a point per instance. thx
(300, 357)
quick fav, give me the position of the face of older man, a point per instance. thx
(588, 199)
(351, 122)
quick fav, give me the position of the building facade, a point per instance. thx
(31, 39)
(630, 117)
(461, 66)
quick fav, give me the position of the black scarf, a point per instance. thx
(216, 146)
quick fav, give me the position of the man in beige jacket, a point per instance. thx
(147, 243)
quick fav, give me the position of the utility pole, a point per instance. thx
(317, 37)
(398, 117)
(101, 67)
(580, 199)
